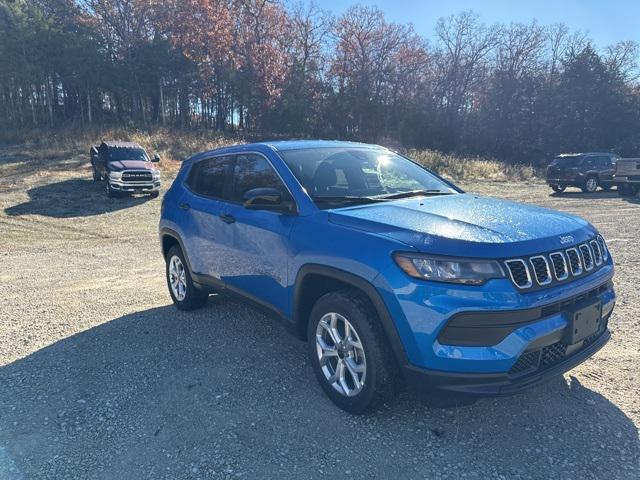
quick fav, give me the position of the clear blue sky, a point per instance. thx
(606, 21)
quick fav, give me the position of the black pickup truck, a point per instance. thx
(126, 168)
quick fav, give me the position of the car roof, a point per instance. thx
(568, 155)
(281, 146)
(120, 144)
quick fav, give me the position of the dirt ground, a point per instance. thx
(101, 377)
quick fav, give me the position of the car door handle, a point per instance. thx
(227, 218)
(184, 206)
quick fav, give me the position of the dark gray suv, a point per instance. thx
(587, 171)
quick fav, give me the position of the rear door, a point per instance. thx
(256, 242)
(607, 168)
(205, 238)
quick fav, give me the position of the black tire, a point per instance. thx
(111, 193)
(194, 297)
(155, 194)
(381, 380)
(590, 184)
(627, 190)
(558, 188)
(96, 176)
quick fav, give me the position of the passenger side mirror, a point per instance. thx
(265, 199)
(156, 158)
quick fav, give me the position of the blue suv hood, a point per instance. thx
(467, 225)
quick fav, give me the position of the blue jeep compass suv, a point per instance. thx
(387, 270)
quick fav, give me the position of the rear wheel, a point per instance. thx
(558, 188)
(350, 354)
(590, 184)
(184, 293)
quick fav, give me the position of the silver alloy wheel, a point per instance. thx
(592, 184)
(341, 354)
(177, 278)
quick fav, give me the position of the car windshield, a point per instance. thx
(123, 153)
(360, 175)
(568, 162)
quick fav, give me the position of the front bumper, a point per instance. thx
(508, 383)
(627, 179)
(517, 327)
(121, 186)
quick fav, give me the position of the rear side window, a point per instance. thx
(209, 177)
(254, 171)
(568, 161)
(605, 161)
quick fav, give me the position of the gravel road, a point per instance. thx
(101, 377)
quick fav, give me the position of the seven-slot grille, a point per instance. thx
(136, 176)
(542, 270)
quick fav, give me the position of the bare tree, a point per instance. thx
(463, 48)
(622, 59)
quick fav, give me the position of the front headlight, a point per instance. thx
(115, 175)
(155, 174)
(451, 270)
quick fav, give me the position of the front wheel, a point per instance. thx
(558, 188)
(111, 193)
(155, 194)
(96, 176)
(350, 354)
(590, 184)
(184, 293)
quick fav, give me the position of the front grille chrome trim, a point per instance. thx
(578, 270)
(565, 267)
(535, 272)
(603, 248)
(588, 266)
(597, 252)
(520, 261)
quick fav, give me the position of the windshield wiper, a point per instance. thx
(413, 193)
(346, 198)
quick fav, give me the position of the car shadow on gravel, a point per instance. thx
(72, 198)
(600, 194)
(224, 391)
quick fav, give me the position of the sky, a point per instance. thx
(605, 21)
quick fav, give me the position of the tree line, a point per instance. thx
(518, 92)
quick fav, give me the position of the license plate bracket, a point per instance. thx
(584, 320)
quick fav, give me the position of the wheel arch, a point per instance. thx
(169, 238)
(314, 281)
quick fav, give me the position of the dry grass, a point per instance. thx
(473, 168)
(174, 145)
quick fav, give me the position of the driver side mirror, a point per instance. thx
(266, 199)
(156, 158)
